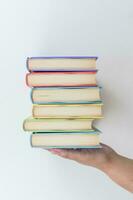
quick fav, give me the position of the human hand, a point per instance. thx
(99, 158)
(117, 167)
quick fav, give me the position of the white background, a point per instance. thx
(63, 27)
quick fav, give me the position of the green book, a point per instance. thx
(57, 125)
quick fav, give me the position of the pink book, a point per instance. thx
(59, 79)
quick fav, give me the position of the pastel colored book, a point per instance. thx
(65, 95)
(40, 79)
(57, 125)
(67, 111)
(66, 140)
(69, 63)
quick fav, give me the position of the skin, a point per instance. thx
(117, 167)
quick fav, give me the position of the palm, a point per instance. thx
(92, 157)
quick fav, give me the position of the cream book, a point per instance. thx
(40, 79)
(51, 95)
(69, 63)
(57, 125)
(67, 111)
(65, 140)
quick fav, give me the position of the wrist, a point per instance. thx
(110, 159)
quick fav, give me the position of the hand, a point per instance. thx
(98, 158)
(117, 167)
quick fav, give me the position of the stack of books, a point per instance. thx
(66, 100)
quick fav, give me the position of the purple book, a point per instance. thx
(58, 63)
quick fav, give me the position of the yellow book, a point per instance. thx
(68, 111)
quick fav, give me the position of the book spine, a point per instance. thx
(27, 63)
(31, 95)
(65, 102)
(77, 85)
(31, 140)
(33, 112)
(68, 87)
(65, 57)
(24, 125)
(66, 72)
(58, 70)
(26, 80)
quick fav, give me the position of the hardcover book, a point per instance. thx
(67, 111)
(57, 125)
(40, 79)
(73, 63)
(65, 95)
(66, 140)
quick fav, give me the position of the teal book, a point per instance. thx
(66, 140)
(66, 95)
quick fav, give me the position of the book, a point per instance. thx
(67, 111)
(73, 63)
(57, 125)
(66, 100)
(65, 95)
(36, 79)
(65, 140)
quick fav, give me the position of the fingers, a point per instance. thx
(91, 157)
(68, 153)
